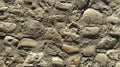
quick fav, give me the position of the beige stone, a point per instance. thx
(7, 27)
(52, 34)
(89, 51)
(57, 62)
(70, 49)
(117, 64)
(102, 59)
(63, 6)
(113, 20)
(115, 31)
(10, 40)
(27, 42)
(107, 43)
(90, 31)
(92, 16)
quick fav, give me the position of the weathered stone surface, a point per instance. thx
(63, 6)
(73, 61)
(27, 42)
(90, 32)
(102, 59)
(32, 28)
(9, 40)
(107, 43)
(70, 34)
(7, 27)
(115, 31)
(69, 48)
(89, 51)
(52, 34)
(92, 16)
(113, 54)
(57, 62)
(33, 57)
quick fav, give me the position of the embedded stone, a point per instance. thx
(9, 40)
(113, 54)
(69, 48)
(92, 16)
(57, 62)
(115, 31)
(113, 20)
(89, 51)
(117, 64)
(90, 32)
(28, 42)
(63, 6)
(7, 27)
(102, 59)
(107, 43)
(52, 34)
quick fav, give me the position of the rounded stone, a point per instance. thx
(57, 62)
(102, 59)
(92, 16)
(89, 51)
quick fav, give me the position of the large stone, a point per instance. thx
(69, 48)
(7, 27)
(92, 16)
